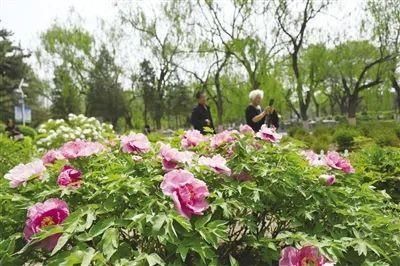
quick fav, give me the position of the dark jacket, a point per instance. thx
(198, 118)
(273, 119)
(251, 112)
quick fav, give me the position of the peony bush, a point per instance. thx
(54, 133)
(234, 198)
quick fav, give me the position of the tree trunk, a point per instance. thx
(303, 111)
(145, 115)
(352, 109)
(396, 87)
(303, 105)
(219, 103)
(317, 106)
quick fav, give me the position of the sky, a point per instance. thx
(27, 19)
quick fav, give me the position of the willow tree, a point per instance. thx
(386, 22)
(66, 50)
(360, 66)
(293, 25)
(162, 36)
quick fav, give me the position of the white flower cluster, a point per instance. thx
(54, 133)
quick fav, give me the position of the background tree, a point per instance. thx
(386, 19)
(294, 28)
(179, 101)
(314, 65)
(65, 97)
(67, 52)
(105, 97)
(147, 90)
(12, 69)
(162, 35)
(360, 66)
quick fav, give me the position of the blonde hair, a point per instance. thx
(254, 93)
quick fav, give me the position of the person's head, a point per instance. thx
(271, 102)
(201, 97)
(10, 123)
(256, 97)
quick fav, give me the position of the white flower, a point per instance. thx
(87, 131)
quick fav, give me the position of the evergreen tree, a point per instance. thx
(105, 97)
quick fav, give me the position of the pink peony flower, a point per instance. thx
(246, 129)
(21, 173)
(313, 158)
(192, 138)
(225, 136)
(187, 192)
(69, 177)
(171, 157)
(327, 179)
(217, 163)
(80, 148)
(269, 134)
(51, 156)
(334, 160)
(135, 143)
(40, 215)
(305, 256)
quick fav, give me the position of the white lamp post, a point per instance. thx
(21, 92)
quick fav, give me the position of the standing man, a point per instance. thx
(201, 115)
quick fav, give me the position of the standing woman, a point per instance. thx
(255, 115)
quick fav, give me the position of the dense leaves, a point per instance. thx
(120, 216)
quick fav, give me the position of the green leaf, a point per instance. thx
(88, 256)
(361, 247)
(233, 261)
(101, 226)
(154, 259)
(202, 221)
(109, 242)
(60, 243)
(185, 223)
(183, 250)
(158, 221)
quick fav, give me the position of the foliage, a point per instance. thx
(2, 128)
(120, 216)
(65, 96)
(67, 50)
(14, 152)
(381, 166)
(105, 97)
(12, 69)
(53, 133)
(344, 138)
(27, 131)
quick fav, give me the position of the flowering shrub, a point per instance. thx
(41, 215)
(54, 133)
(305, 256)
(245, 200)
